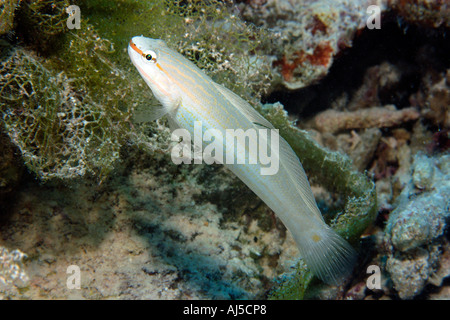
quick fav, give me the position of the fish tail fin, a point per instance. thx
(327, 254)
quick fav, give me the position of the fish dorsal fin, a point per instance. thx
(245, 107)
(287, 156)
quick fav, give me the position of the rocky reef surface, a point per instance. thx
(86, 181)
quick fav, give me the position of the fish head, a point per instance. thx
(151, 57)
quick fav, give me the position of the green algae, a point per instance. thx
(293, 286)
(206, 32)
(41, 24)
(55, 109)
(59, 134)
(7, 15)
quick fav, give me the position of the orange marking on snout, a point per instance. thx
(133, 46)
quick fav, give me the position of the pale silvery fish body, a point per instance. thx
(188, 95)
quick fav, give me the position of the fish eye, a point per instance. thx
(149, 56)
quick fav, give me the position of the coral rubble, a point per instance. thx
(415, 228)
(375, 117)
(12, 275)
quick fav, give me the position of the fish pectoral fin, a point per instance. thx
(150, 114)
(246, 109)
(172, 124)
(155, 112)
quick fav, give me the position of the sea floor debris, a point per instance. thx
(415, 229)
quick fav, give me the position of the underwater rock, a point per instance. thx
(420, 221)
(415, 227)
(420, 218)
(430, 13)
(310, 33)
(443, 270)
(410, 271)
(423, 172)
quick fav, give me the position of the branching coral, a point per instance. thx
(375, 117)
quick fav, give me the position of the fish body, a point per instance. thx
(188, 95)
